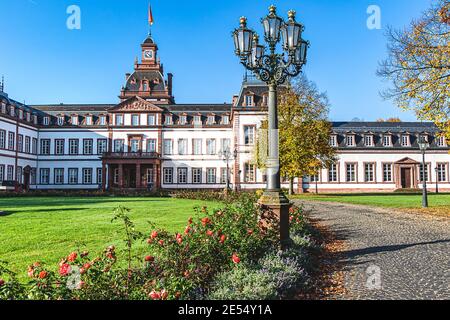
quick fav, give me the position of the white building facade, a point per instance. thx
(147, 141)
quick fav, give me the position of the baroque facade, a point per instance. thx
(148, 141)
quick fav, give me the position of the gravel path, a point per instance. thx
(389, 255)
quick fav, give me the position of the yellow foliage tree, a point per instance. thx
(304, 132)
(419, 66)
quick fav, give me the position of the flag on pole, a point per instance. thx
(150, 15)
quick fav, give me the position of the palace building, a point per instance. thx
(148, 141)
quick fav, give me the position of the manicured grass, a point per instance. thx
(405, 201)
(46, 229)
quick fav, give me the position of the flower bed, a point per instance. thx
(225, 254)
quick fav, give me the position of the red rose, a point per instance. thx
(72, 257)
(161, 242)
(186, 274)
(179, 238)
(149, 241)
(205, 221)
(222, 238)
(235, 258)
(31, 272)
(209, 233)
(154, 234)
(43, 274)
(250, 232)
(155, 295)
(2, 282)
(36, 264)
(190, 221)
(187, 230)
(149, 259)
(64, 269)
(87, 266)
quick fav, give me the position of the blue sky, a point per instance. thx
(44, 62)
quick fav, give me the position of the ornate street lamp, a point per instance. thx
(226, 155)
(274, 69)
(423, 145)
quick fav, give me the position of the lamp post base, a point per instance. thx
(275, 214)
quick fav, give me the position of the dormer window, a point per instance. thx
(440, 141)
(249, 100)
(88, 120)
(183, 120)
(387, 141)
(423, 137)
(265, 100)
(28, 116)
(405, 140)
(35, 119)
(333, 141)
(60, 120)
(3, 107)
(102, 121)
(197, 120)
(20, 114)
(211, 119)
(119, 119)
(368, 140)
(46, 121)
(226, 120)
(11, 111)
(168, 120)
(74, 120)
(350, 140)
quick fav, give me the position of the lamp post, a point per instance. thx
(227, 156)
(437, 179)
(274, 69)
(423, 145)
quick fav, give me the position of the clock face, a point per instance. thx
(148, 54)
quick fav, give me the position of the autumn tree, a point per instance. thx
(419, 66)
(304, 132)
(396, 119)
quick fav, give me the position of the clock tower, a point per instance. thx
(148, 80)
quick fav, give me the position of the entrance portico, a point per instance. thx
(406, 174)
(138, 170)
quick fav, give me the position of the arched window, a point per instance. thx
(145, 86)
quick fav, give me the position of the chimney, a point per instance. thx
(169, 83)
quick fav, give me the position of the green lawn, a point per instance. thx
(46, 229)
(406, 201)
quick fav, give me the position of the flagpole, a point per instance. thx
(150, 20)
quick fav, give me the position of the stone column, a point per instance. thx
(104, 177)
(121, 176)
(138, 176)
(157, 176)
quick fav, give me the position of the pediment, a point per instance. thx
(136, 104)
(407, 161)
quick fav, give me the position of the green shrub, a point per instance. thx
(243, 283)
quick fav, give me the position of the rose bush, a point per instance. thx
(229, 243)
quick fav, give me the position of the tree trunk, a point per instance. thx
(291, 186)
